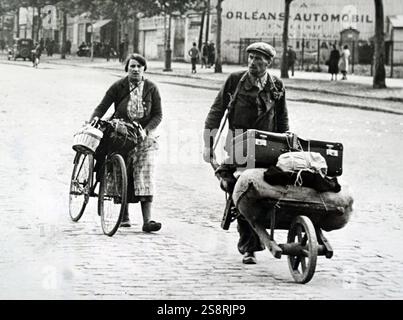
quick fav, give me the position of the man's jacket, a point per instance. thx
(244, 110)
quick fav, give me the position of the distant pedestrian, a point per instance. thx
(47, 46)
(204, 58)
(107, 51)
(68, 46)
(42, 44)
(50, 47)
(194, 56)
(291, 58)
(36, 55)
(211, 54)
(333, 63)
(344, 62)
(121, 51)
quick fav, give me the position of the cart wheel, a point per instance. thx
(302, 266)
(112, 194)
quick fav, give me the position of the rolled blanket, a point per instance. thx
(251, 193)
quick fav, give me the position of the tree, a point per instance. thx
(13, 6)
(379, 56)
(74, 7)
(284, 60)
(217, 62)
(169, 8)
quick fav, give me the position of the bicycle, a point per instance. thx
(112, 193)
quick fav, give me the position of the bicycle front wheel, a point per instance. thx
(112, 194)
(80, 184)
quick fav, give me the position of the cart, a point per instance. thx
(300, 210)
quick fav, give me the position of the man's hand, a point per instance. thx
(94, 121)
(207, 154)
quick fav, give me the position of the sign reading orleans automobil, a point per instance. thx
(308, 18)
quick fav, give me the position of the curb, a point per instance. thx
(347, 105)
(216, 88)
(305, 100)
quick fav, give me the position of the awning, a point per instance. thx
(100, 23)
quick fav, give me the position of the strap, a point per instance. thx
(238, 87)
(226, 113)
(124, 97)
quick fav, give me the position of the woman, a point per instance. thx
(345, 55)
(333, 62)
(36, 55)
(137, 99)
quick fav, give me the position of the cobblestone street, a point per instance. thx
(45, 255)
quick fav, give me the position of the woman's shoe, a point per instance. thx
(151, 226)
(125, 220)
(249, 258)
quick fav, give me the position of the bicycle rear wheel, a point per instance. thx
(112, 194)
(81, 180)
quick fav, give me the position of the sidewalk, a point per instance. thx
(311, 87)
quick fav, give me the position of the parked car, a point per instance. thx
(84, 50)
(22, 49)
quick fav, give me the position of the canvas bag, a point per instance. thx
(298, 161)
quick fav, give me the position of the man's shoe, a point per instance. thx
(249, 258)
(151, 226)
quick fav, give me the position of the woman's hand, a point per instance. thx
(143, 133)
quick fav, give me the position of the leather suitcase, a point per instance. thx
(331, 151)
(261, 149)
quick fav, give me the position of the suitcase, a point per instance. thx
(261, 149)
(331, 151)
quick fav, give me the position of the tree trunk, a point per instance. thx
(217, 62)
(379, 57)
(39, 24)
(208, 20)
(284, 62)
(33, 24)
(18, 23)
(64, 35)
(136, 33)
(117, 33)
(168, 51)
(201, 30)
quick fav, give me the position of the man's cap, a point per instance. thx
(263, 48)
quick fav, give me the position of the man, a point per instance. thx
(107, 51)
(291, 58)
(194, 55)
(210, 54)
(255, 100)
(36, 55)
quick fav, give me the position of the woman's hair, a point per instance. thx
(345, 47)
(139, 58)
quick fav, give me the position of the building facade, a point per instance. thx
(312, 23)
